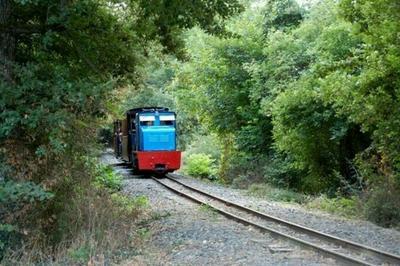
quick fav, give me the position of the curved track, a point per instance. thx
(343, 251)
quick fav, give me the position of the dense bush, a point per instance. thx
(200, 165)
(382, 206)
(87, 218)
(15, 199)
(278, 171)
(303, 128)
(240, 181)
(243, 165)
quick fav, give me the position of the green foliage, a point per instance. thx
(14, 197)
(276, 194)
(7, 236)
(166, 19)
(80, 255)
(13, 193)
(205, 144)
(128, 204)
(148, 96)
(282, 15)
(310, 132)
(347, 207)
(278, 171)
(215, 86)
(200, 165)
(243, 165)
(157, 71)
(303, 99)
(382, 206)
(106, 177)
(377, 84)
(217, 79)
(307, 128)
(62, 65)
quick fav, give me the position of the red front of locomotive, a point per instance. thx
(158, 161)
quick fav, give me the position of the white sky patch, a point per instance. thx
(147, 118)
(167, 117)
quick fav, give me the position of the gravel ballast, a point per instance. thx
(362, 232)
(185, 233)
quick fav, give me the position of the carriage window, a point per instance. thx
(166, 123)
(147, 120)
(167, 120)
(147, 123)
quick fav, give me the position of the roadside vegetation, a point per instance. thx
(301, 99)
(91, 220)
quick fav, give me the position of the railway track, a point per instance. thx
(343, 251)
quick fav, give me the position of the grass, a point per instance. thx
(99, 227)
(345, 207)
(107, 178)
(144, 233)
(205, 208)
(80, 255)
(276, 194)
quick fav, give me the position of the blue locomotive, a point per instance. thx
(146, 139)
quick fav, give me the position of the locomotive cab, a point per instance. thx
(149, 143)
(157, 132)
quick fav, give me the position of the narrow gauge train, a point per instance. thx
(146, 139)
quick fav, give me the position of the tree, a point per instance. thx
(282, 15)
(307, 128)
(169, 17)
(61, 61)
(375, 90)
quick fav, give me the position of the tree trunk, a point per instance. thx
(7, 42)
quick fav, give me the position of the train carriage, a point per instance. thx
(146, 139)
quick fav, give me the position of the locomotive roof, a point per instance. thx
(146, 109)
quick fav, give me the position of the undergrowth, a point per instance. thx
(107, 178)
(276, 194)
(346, 207)
(200, 165)
(95, 224)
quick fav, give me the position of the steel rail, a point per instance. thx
(356, 247)
(347, 260)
